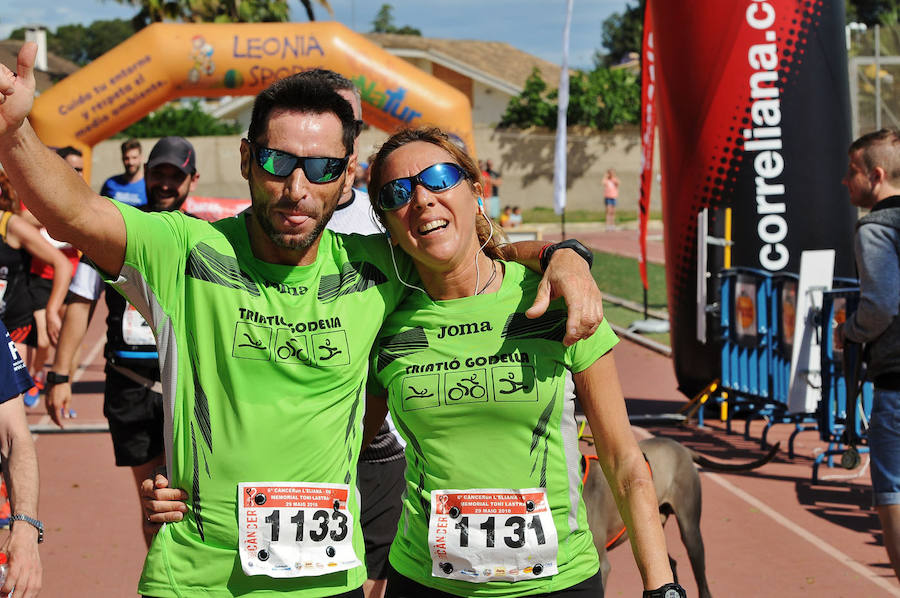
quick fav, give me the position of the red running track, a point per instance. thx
(769, 533)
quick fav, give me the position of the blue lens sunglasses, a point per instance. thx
(281, 164)
(436, 178)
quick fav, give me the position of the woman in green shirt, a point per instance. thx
(478, 391)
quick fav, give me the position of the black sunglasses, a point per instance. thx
(281, 164)
(436, 178)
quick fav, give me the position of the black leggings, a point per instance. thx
(399, 586)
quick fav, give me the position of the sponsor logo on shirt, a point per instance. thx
(464, 329)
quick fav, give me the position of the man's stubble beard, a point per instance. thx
(292, 241)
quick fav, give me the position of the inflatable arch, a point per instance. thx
(168, 60)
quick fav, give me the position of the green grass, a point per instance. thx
(543, 214)
(620, 276)
(623, 317)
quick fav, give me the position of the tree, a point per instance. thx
(530, 108)
(183, 121)
(384, 23)
(622, 33)
(600, 99)
(82, 44)
(872, 12)
(218, 11)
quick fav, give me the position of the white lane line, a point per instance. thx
(79, 372)
(862, 570)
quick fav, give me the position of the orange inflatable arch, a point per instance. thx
(168, 60)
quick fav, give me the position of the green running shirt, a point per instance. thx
(478, 391)
(263, 368)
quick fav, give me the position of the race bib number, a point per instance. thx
(492, 535)
(295, 529)
(136, 331)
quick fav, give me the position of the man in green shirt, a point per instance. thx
(264, 324)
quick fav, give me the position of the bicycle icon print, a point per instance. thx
(467, 387)
(324, 349)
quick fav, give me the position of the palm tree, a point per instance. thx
(217, 11)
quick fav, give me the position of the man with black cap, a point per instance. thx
(132, 400)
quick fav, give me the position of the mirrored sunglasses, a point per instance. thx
(282, 164)
(436, 178)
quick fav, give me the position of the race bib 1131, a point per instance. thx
(492, 535)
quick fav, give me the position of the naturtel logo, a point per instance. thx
(390, 101)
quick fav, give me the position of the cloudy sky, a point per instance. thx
(534, 26)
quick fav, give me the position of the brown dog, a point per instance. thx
(677, 491)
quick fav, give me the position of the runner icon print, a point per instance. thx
(331, 348)
(514, 383)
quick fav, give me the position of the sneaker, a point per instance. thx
(32, 396)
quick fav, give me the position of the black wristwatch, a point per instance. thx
(54, 378)
(37, 523)
(670, 590)
(548, 250)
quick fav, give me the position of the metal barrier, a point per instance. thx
(746, 337)
(757, 317)
(755, 357)
(846, 402)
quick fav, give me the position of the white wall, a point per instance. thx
(489, 105)
(524, 158)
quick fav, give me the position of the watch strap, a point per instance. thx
(670, 590)
(54, 378)
(37, 523)
(548, 250)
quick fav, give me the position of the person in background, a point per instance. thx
(361, 180)
(128, 187)
(18, 460)
(40, 284)
(494, 198)
(505, 216)
(132, 395)
(515, 218)
(486, 179)
(873, 180)
(21, 244)
(610, 195)
(381, 464)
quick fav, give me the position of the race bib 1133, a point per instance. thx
(295, 529)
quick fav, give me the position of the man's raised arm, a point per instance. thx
(50, 188)
(567, 274)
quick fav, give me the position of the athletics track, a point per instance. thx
(769, 533)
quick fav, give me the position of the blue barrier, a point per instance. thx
(757, 316)
(746, 353)
(846, 404)
(783, 310)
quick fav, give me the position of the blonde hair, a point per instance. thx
(496, 242)
(9, 202)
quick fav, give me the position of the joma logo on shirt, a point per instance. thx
(286, 289)
(462, 329)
